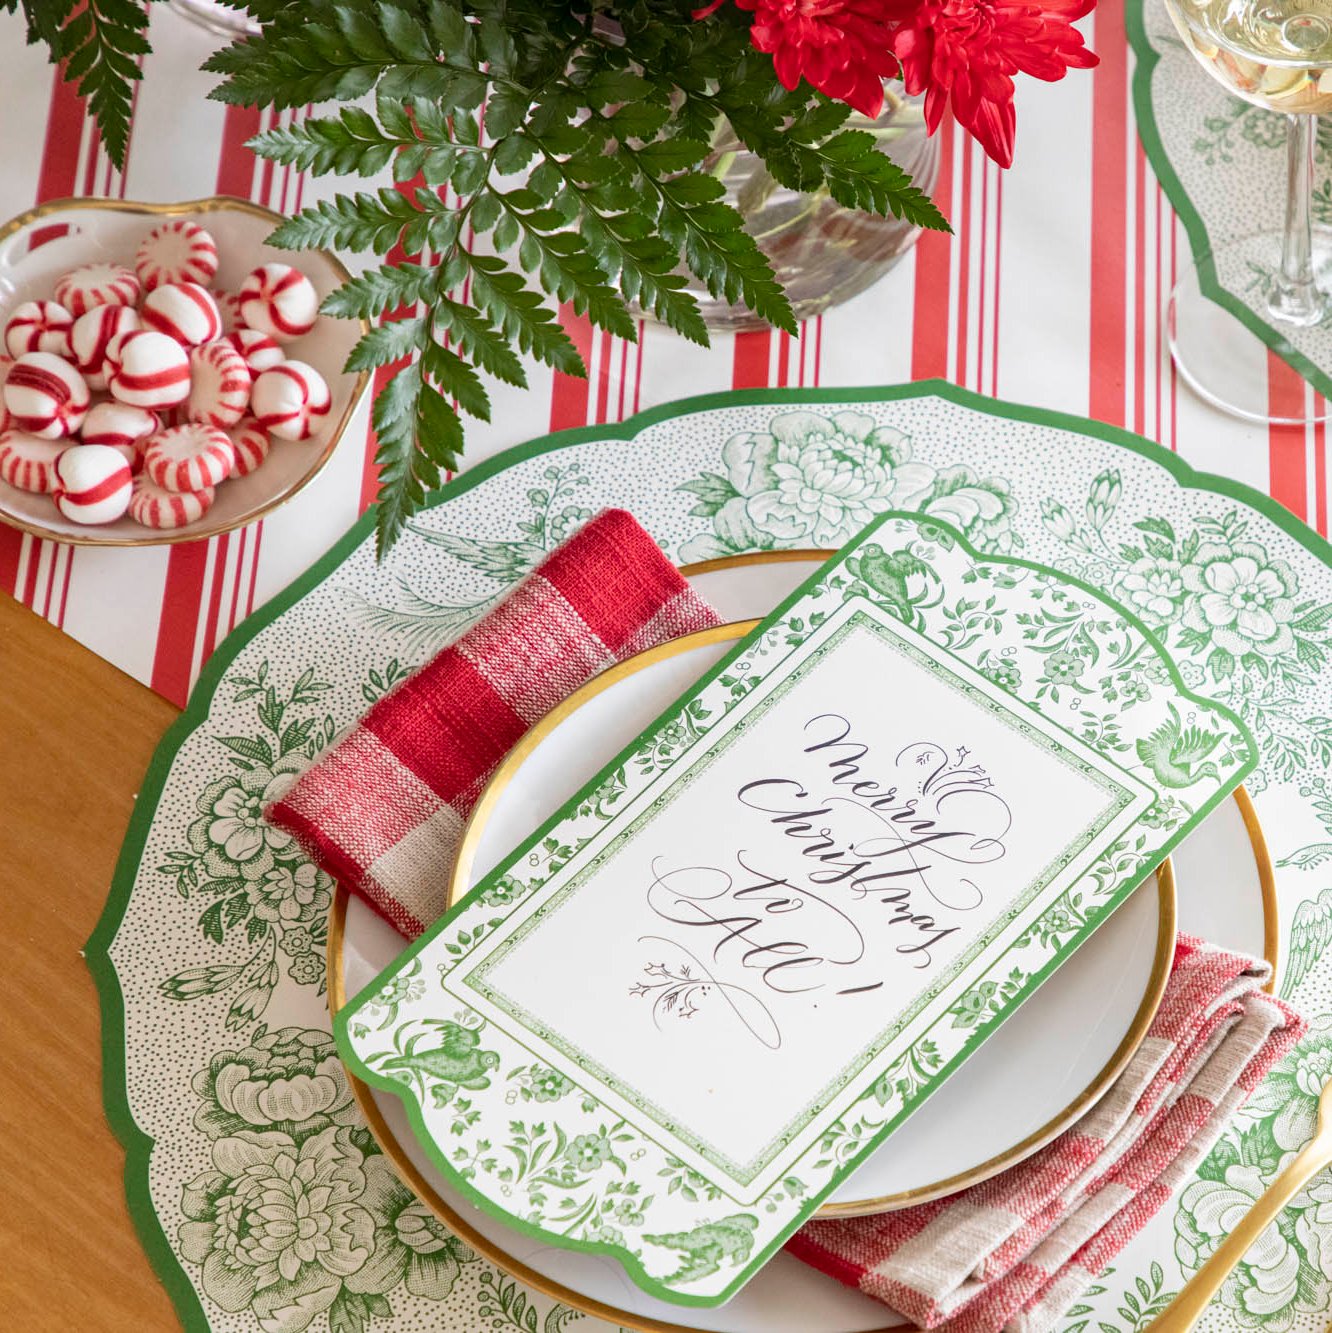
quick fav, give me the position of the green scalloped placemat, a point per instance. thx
(220, 1075)
(1222, 163)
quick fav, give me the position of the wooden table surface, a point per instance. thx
(75, 739)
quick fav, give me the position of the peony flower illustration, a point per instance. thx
(1153, 587)
(291, 893)
(1290, 1092)
(808, 480)
(278, 1225)
(289, 1080)
(231, 833)
(815, 481)
(1241, 598)
(1313, 1226)
(412, 1245)
(1265, 1290)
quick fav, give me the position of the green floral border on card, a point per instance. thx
(748, 1263)
(139, 1146)
(1200, 242)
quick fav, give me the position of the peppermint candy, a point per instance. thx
(251, 443)
(155, 507)
(38, 326)
(93, 484)
(148, 369)
(29, 463)
(189, 457)
(219, 384)
(6, 365)
(91, 336)
(183, 311)
(260, 350)
(228, 306)
(290, 400)
(121, 427)
(177, 251)
(279, 300)
(45, 395)
(97, 284)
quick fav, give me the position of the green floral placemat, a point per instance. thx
(221, 1078)
(1222, 162)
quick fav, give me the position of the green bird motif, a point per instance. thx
(456, 1061)
(704, 1248)
(887, 574)
(1173, 752)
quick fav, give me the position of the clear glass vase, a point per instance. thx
(823, 253)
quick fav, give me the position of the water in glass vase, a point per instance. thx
(1275, 53)
(821, 252)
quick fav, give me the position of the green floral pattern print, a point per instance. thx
(813, 481)
(298, 1215)
(201, 949)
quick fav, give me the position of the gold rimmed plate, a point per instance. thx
(38, 246)
(1225, 894)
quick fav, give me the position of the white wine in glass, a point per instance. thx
(1276, 54)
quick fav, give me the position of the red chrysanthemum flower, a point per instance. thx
(966, 52)
(840, 47)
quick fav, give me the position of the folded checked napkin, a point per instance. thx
(1014, 1252)
(383, 811)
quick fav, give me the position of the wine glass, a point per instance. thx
(1276, 54)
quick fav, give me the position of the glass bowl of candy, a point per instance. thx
(165, 375)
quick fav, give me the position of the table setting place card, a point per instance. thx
(676, 1017)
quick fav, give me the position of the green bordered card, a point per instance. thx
(793, 906)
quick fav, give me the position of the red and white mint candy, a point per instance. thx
(155, 507)
(6, 365)
(93, 334)
(251, 443)
(121, 427)
(260, 350)
(97, 284)
(29, 463)
(183, 311)
(280, 300)
(148, 369)
(189, 457)
(219, 384)
(38, 326)
(45, 395)
(177, 251)
(93, 484)
(290, 400)
(228, 306)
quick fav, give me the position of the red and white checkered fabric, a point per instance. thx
(384, 809)
(1014, 1252)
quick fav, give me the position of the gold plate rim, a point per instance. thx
(424, 1190)
(1114, 1066)
(215, 203)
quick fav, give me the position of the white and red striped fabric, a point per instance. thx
(383, 810)
(1015, 1251)
(1000, 308)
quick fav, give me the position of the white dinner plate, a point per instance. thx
(1091, 1012)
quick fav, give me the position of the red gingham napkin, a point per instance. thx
(1013, 1252)
(383, 810)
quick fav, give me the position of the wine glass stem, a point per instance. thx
(1294, 298)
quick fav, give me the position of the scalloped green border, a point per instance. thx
(115, 1098)
(411, 1099)
(1199, 241)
